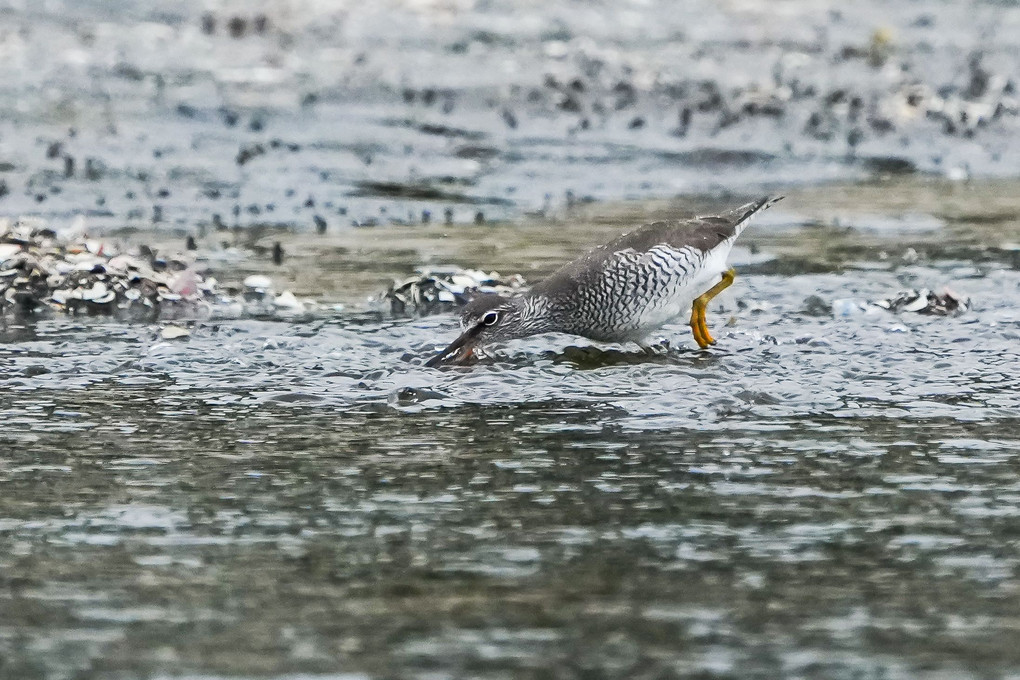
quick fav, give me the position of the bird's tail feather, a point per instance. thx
(742, 215)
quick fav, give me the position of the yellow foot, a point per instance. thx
(699, 325)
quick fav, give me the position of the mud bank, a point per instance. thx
(318, 115)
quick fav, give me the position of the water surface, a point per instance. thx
(818, 496)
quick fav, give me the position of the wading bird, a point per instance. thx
(619, 292)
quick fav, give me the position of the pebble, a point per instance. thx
(174, 333)
(258, 282)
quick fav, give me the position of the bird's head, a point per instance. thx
(487, 319)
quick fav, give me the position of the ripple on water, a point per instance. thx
(784, 504)
(763, 368)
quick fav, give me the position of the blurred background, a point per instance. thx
(200, 113)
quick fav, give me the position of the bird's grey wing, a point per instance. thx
(702, 234)
(690, 238)
(623, 258)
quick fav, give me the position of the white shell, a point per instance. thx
(174, 332)
(8, 250)
(96, 294)
(258, 282)
(286, 300)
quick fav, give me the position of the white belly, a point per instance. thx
(677, 303)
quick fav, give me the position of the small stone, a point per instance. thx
(816, 306)
(258, 281)
(174, 333)
(287, 300)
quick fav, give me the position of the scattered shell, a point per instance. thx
(286, 301)
(41, 270)
(925, 301)
(439, 290)
(9, 250)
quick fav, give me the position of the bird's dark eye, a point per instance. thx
(490, 318)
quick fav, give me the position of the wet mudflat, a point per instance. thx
(828, 493)
(314, 113)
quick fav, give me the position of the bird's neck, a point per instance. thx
(538, 313)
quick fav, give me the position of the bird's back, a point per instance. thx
(624, 289)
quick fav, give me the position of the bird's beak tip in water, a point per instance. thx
(459, 351)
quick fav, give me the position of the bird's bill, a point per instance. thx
(459, 351)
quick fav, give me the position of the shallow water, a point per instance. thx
(816, 497)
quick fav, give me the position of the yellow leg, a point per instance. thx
(699, 326)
